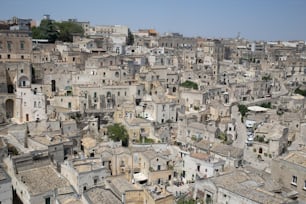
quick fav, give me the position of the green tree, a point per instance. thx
(266, 105)
(243, 110)
(189, 84)
(118, 132)
(67, 29)
(266, 78)
(300, 91)
(130, 38)
(46, 30)
(51, 30)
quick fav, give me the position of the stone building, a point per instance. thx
(84, 174)
(6, 194)
(15, 45)
(200, 165)
(290, 172)
(271, 140)
(235, 187)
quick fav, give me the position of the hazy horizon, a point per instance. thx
(271, 20)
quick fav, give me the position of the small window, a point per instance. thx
(48, 200)
(22, 45)
(9, 45)
(8, 56)
(21, 71)
(294, 180)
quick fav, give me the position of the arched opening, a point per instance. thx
(260, 150)
(174, 89)
(24, 81)
(9, 107)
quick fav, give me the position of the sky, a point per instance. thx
(253, 19)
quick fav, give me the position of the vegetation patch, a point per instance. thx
(117, 132)
(266, 105)
(300, 91)
(190, 84)
(52, 30)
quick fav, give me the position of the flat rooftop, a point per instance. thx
(100, 195)
(87, 165)
(41, 180)
(121, 184)
(241, 183)
(296, 157)
(3, 175)
(158, 192)
(49, 140)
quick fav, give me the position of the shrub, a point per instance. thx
(189, 84)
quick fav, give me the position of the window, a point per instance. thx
(53, 85)
(21, 71)
(8, 56)
(22, 45)
(95, 181)
(9, 45)
(304, 185)
(47, 200)
(1, 46)
(294, 180)
(22, 57)
(118, 93)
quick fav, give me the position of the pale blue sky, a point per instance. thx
(254, 19)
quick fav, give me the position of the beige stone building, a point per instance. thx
(239, 186)
(290, 172)
(15, 45)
